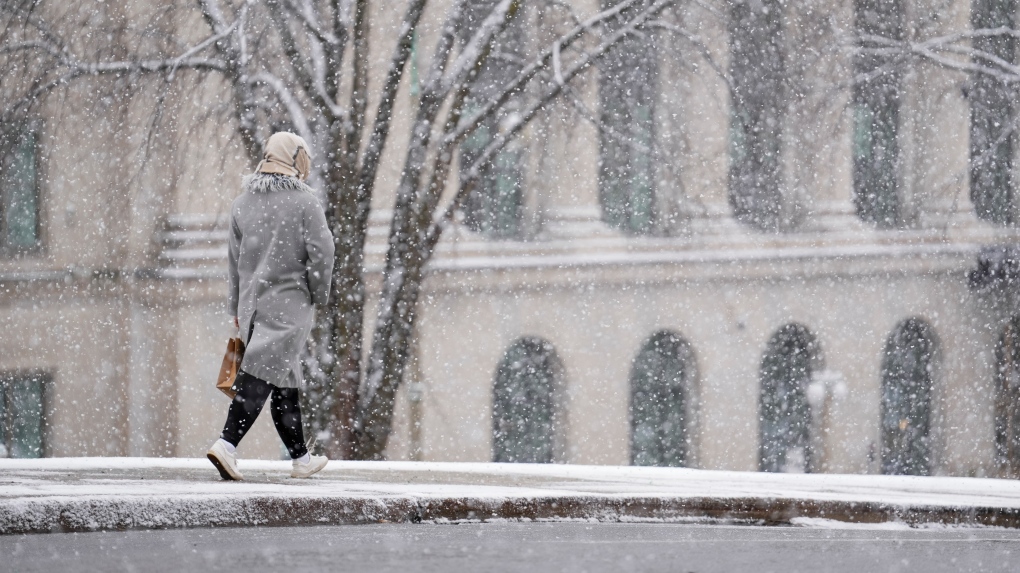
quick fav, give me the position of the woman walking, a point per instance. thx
(280, 267)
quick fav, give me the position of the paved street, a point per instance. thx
(532, 548)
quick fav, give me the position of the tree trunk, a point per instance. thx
(390, 346)
(346, 311)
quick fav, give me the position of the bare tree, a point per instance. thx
(305, 65)
(961, 51)
(986, 56)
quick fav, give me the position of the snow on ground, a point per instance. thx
(176, 476)
(102, 493)
(822, 523)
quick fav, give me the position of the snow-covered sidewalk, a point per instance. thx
(84, 494)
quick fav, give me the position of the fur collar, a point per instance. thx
(270, 182)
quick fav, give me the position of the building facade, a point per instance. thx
(742, 243)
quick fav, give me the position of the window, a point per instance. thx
(21, 414)
(784, 412)
(659, 400)
(757, 70)
(19, 191)
(524, 418)
(1007, 402)
(495, 208)
(907, 372)
(627, 94)
(993, 118)
(876, 107)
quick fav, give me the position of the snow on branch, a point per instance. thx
(213, 15)
(468, 125)
(310, 80)
(308, 19)
(54, 51)
(568, 9)
(289, 101)
(70, 68)
(443, 48)
(699, 44)
(78, 70)
(474, 171)
(384, 112)
(29, 17)
(952, 51)
(471, 54)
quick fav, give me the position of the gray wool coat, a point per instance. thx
(280, 265)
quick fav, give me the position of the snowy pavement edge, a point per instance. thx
(80, 515)
(95, 494)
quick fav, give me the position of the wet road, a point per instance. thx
(530, 548)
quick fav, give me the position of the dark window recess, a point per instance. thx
(993, 118)
(757, 68)
(997, 267)
(907, 369)
(784, 412)
(495, 207)
(1007, 401)
(627, 95)
(524, 404)
(19, 190)
(21, 414)
(876, 106)
(660, 393)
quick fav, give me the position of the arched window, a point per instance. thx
(660, 396)
(876, 105)
(757, 69)
(1007, 401)
(907, 373)
(524, 417)
(495, 207)
(791, 356)
(627, 94)
(993, 118)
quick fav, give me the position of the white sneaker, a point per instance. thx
(224, 461)
(315, 463)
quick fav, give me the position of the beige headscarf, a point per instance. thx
(286, 154)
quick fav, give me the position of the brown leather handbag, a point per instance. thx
(231, 365)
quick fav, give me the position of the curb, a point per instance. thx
(55, 514)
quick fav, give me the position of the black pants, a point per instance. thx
(251, 396)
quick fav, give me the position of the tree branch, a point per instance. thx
(384, 112)
(289, 101)
(474, 171)
(695, 41)
(940, 50)
(528, 73)
(359, 83)
(107, 68)
(341, 28)
(213, 15)
(298, 65)
(469, 56)
(309, 21)
(46, 47)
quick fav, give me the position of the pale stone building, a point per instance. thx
(805, 266)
